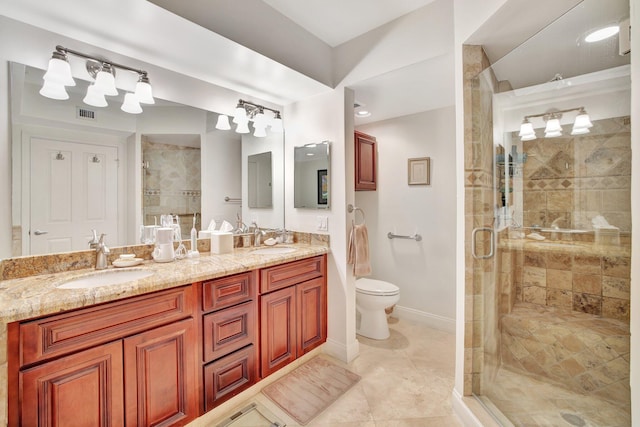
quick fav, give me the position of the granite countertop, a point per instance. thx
(35, 296)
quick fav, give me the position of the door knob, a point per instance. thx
(39, 232)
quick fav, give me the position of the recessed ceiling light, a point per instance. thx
(363, 113)
(602, 33)
(309, 154)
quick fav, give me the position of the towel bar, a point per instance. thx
(232, 199)
(414, 236)
(351, 208)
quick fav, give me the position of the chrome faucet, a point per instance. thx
(257, 234)
(102, 250)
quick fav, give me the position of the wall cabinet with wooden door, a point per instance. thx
(365, 158)
(293, 311)
(130, 362)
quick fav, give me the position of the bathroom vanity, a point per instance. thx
(164, 349)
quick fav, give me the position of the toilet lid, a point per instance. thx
(376, 287)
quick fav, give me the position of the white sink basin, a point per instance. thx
(105, 278)
(274, 250)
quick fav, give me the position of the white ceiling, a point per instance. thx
(281, 50)
(338, 21)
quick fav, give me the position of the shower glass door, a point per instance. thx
(551, 322)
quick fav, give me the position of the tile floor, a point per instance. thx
(528, 402)
(407, 381)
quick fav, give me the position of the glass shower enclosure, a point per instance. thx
(552, 227)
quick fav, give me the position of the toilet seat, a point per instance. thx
(376, 287)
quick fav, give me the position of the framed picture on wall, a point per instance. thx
(323, 187)
(419, 171)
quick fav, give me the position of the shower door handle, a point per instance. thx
(473, 243)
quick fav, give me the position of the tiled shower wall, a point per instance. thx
(481, 316)
(171, 183)
(569, 180)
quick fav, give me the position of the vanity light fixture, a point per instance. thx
(247, 111)
(59, 75)
(553, 129)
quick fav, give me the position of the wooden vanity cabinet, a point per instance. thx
(230, 330)
(293, 311)
(365, 158)
(131, 362)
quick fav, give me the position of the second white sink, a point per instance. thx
(105, 278)
(274, 250)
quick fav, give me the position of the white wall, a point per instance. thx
(5, 163)
(220, 179)
(425, 270)
(328, 117)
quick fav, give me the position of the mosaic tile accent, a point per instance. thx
(572, 179)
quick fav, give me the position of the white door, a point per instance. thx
(74, 188)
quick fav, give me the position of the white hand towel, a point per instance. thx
(358, 252)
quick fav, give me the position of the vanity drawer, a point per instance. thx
(57, 335)
(228, 330)
(229, 375)
(228, 291)
(281, 276)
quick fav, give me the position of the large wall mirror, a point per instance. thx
(312, 176)
(77, 168)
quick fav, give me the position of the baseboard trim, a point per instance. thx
(345, 353)
(432, 320)
(468, 409)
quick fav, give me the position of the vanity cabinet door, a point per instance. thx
(160, 376)
(84, 389)
(311, 314)
(278, 329)
(365, 154)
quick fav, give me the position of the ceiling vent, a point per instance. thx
(85, 114)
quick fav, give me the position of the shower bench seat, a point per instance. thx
(579, 351)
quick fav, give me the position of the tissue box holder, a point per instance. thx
(221, 242)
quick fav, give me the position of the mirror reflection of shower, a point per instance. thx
(171, 178)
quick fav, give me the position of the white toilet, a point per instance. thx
(372, 297)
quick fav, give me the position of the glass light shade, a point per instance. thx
(582, 121)
(259, 131)
(260, 119)
(223, 122)
(528, 137)
(239, 115)
(243, 127)
(59, 71)
(553, 126)
(54, 91)
(131, 104)
(526, 128)
(106, 83)
(552, 134)
(144, 93)
(276, 125)
(94, 97)
(579, 131)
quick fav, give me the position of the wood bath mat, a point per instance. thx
(310, 388)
